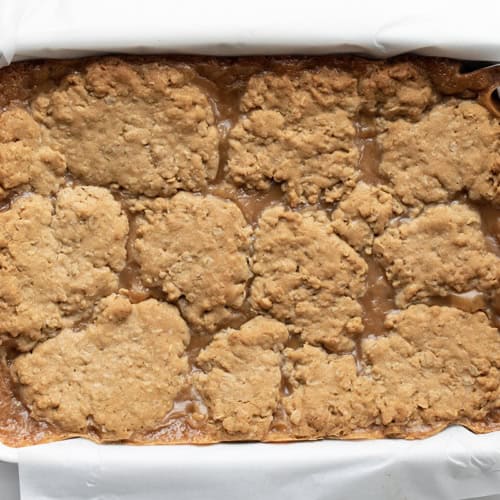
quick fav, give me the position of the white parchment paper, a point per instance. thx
(63, 28)
(453, 465)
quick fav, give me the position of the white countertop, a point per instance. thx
(9, 481)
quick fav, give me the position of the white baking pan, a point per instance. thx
(455, 464)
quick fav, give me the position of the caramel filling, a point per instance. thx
(188, 419)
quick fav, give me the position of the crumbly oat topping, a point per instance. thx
(117, 376)
(57, 260)
(202, 250)
(26, 163)
(441, 251)
(437, 364)
(146, 128)
(297, 130)
(400, 90)
(195, 248)
(454, 148)
(364, 214)
(240, 378)
(307, 277)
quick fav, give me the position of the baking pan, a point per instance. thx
(454, 464)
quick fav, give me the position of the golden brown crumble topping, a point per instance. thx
(24, 161)
(241, 377)
(437, 364)
(465, 158)
(299, 130)
(307, 277)
(195, 248)
(117, 376)
(328, 397)
(398, 91)
(57, 259)
(441, 251)
(201, 250)
(365, 213)
(146, 128)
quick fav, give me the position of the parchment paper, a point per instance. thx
(453, 465)
(64, 28)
